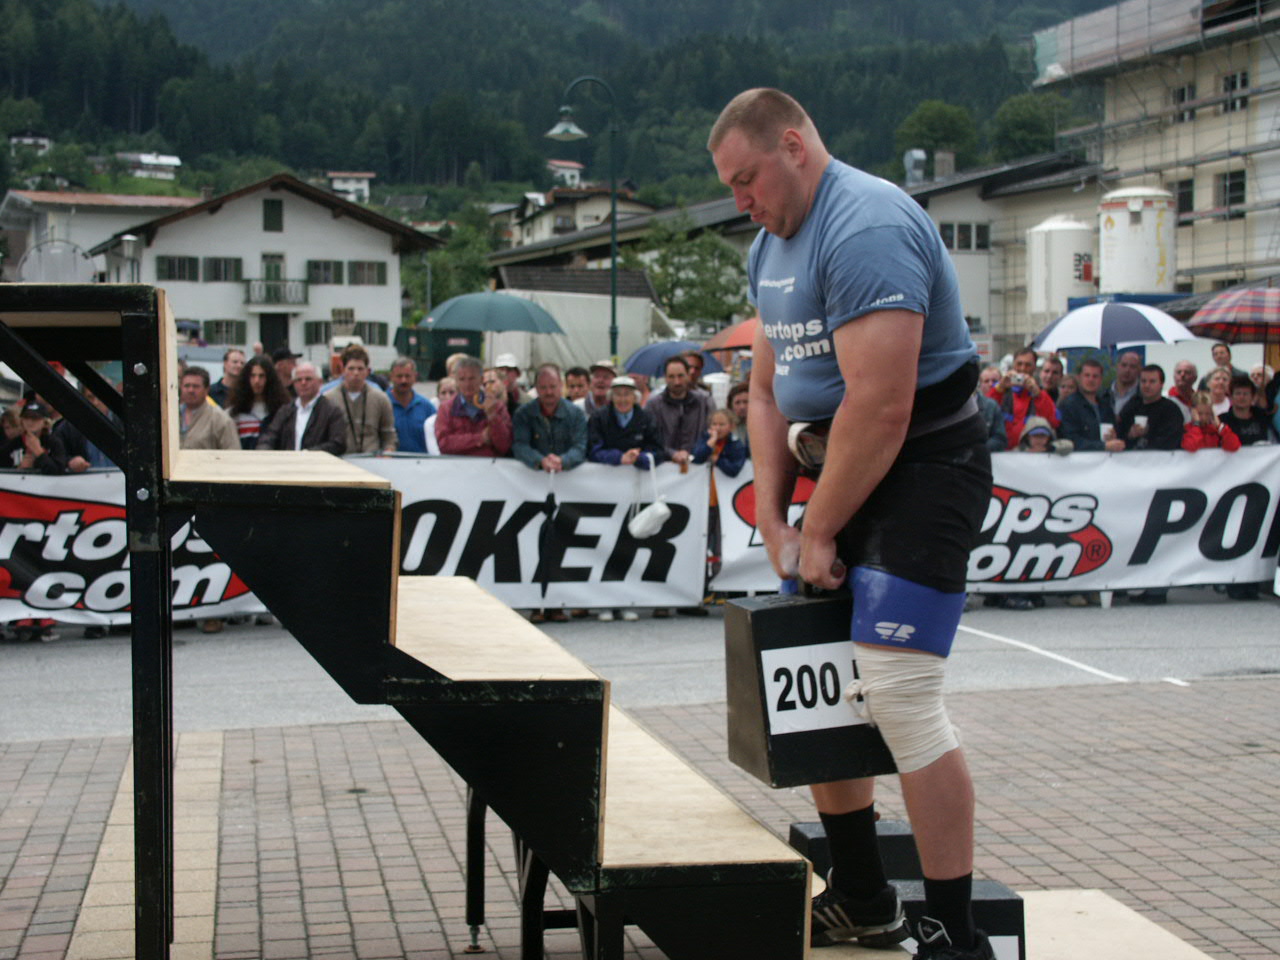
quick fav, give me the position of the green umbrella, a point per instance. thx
(491, 311)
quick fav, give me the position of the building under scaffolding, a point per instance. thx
(1190, 104)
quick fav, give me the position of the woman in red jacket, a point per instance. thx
(1206, 431)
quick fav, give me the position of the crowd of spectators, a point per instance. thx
(591, 413)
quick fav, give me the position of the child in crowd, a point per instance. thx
(722, 450)
(1206, 431)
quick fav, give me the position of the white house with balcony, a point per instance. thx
(277, 262)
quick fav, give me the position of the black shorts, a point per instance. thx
(923, 519)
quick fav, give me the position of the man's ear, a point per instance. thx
(793, 146)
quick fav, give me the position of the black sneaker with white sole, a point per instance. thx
(932, 943)
(838, 918)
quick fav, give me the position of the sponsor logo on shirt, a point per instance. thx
(895, 631)
(895, 298)
(786, 284)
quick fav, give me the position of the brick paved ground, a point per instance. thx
(54, 799)
(347, 840)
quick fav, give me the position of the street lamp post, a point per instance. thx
(566, 130)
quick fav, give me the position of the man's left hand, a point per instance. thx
(680, 456)
(552, 463)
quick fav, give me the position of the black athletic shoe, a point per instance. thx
(932, 943)
(870, 923)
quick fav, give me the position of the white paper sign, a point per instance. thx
(804, 687)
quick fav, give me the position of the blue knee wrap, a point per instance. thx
(892, 612)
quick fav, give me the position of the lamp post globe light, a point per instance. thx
(566, 130)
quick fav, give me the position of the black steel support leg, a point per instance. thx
(153, 753)
(533, 894)
(601, 927)
(476, 811)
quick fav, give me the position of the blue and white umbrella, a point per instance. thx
(1106, 325)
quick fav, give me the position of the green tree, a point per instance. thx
(696, 277)
(937, 125)
(1025, 124)
(460, 266)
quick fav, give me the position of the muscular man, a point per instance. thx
(862, 333)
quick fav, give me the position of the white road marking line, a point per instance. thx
(1176, 682)
(1048, 653)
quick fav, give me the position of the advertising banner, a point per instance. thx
(1087, 521)
(532, 540)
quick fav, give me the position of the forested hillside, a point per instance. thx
(430, 92)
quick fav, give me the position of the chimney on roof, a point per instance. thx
(944, 164)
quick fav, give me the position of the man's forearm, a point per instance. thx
(775, 468)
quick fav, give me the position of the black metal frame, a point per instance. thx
(30, 350)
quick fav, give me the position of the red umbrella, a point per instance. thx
(738, 337)
(1247, 315)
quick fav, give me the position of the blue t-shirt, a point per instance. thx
(409, 422)
(864, 246)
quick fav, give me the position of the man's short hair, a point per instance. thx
(354, 352)
(1024, 352)
(399, 362)
(1052, 359)
(676, 359)
(471, 363)
(1239, 382)
(1091, 362)
(1223, 346)
(736, 389)
(548, 367)
(1154, 368)
(227, 356)
(195, 371)
(762, 114)
(577, 372)
(305, 365)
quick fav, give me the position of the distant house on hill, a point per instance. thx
(351, 186)
(278, 262)
(151, 166)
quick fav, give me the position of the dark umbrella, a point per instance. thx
(651, 360)
(546, 537)
(491, 311)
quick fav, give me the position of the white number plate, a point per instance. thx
(804, 687)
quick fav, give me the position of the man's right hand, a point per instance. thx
(631, 456)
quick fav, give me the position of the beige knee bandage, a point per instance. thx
(902, 696)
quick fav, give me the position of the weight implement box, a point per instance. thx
(788, 660)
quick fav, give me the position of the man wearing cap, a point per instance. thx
(508, 368)
(36, 447)
(620, 433)
(602, 374)
(410, 408)
(284, 360)
(203, 425)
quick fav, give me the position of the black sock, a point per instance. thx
(950, 902)
(855, 852)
